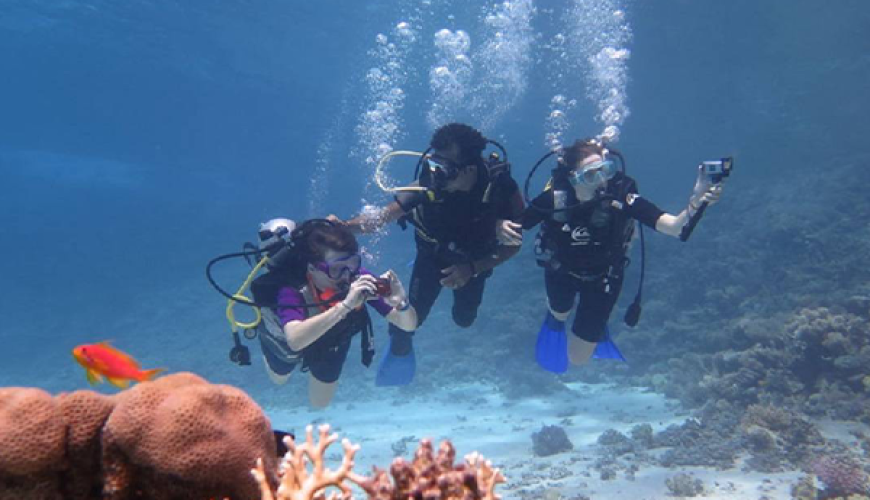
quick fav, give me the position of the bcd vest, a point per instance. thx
(462, 227)
(591, 239)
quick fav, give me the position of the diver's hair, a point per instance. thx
(470, 141)
(323, 237)
(579, 150)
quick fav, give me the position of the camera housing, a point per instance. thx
(383, 287)
(717, 170)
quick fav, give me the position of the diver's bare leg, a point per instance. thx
(579, 350)
(320, 393)
(274, 377)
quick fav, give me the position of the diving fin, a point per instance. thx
(606, 349)
(551, 350)
(396, 370)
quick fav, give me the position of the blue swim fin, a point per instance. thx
(551, 350)
(396, 370)
(606, 349)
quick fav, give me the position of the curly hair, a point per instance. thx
(470, 141)
(581, 149)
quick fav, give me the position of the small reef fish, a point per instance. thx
(102, 360)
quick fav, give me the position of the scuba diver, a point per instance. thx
(312, 301)
(587, 212)
(455, 205)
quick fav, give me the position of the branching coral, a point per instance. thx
(297, 482)
(429, 476)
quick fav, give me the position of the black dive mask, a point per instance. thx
(440, 170)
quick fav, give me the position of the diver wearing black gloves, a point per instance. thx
(455, 206)
(587, 214)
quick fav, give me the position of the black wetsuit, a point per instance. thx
(583, 250)
(454, 228)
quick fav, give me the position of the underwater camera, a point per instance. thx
(383, 287)
(717, 170)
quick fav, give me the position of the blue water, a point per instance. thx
(140, 139)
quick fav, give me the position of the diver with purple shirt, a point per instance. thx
(322, 303)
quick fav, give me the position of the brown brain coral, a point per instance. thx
(32, 435)
(180, 426)
(84, 414)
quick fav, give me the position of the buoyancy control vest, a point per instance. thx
(591, 239)
(461, 226)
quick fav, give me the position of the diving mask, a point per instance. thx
(593, 174)
(441, 169)
(342, 267)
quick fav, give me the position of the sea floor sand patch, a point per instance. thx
(476, 419)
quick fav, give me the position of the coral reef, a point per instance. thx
(814, 361)
(643, 435)
(778, 439)
(616, 442)
(180, 437)
(429, 476)
(551, 439)
(684, 485)
(177, 437)
(842, 476)
(183, 427)
(706, 440)
(85, 414)
(804, 489)
(762, 399)
(32, 453)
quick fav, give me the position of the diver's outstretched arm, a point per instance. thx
(369, 222)
(672, 225)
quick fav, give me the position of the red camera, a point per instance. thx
(383, 287)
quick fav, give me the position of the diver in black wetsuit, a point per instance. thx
(456, 219)
(587, 214)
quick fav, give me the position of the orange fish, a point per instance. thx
(102, 360)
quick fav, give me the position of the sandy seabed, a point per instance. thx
(476, 419)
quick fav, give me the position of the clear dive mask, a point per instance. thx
(342, 268)
(593, 174)
(441, 170)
